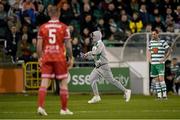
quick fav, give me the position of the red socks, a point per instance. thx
(41, 96)
(64, 98)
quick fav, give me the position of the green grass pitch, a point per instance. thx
(111, 107)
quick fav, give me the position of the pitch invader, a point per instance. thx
(159, 50)
(102, 69)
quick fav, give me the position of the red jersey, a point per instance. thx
(53, 33)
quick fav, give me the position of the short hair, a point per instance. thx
(155, 30)
(168, 62)
(53, 11)
(174, 58)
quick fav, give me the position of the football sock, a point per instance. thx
(64, 98)
(41, 96)
(158, 90)
(152, 87)
(163, 88)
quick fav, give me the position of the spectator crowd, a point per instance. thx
(117, 19)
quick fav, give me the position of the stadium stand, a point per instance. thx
(117, 19)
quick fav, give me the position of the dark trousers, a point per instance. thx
(177, 85)
(169, 85)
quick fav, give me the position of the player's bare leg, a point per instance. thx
(64, 95)
(41, 96)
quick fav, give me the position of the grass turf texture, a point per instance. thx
(111, 106)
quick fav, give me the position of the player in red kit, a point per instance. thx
(53, 43)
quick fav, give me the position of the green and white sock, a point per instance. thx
(158, 90)
(152, 87)
(163, 88)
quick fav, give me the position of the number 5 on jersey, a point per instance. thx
(52, 36)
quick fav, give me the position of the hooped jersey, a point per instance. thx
(158, 50)
(53, 33)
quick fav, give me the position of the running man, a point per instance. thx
(102, 68)
(53, 38)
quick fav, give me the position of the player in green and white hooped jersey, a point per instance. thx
(102, 69)
(159, 51)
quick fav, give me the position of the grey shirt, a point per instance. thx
(98, 53)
